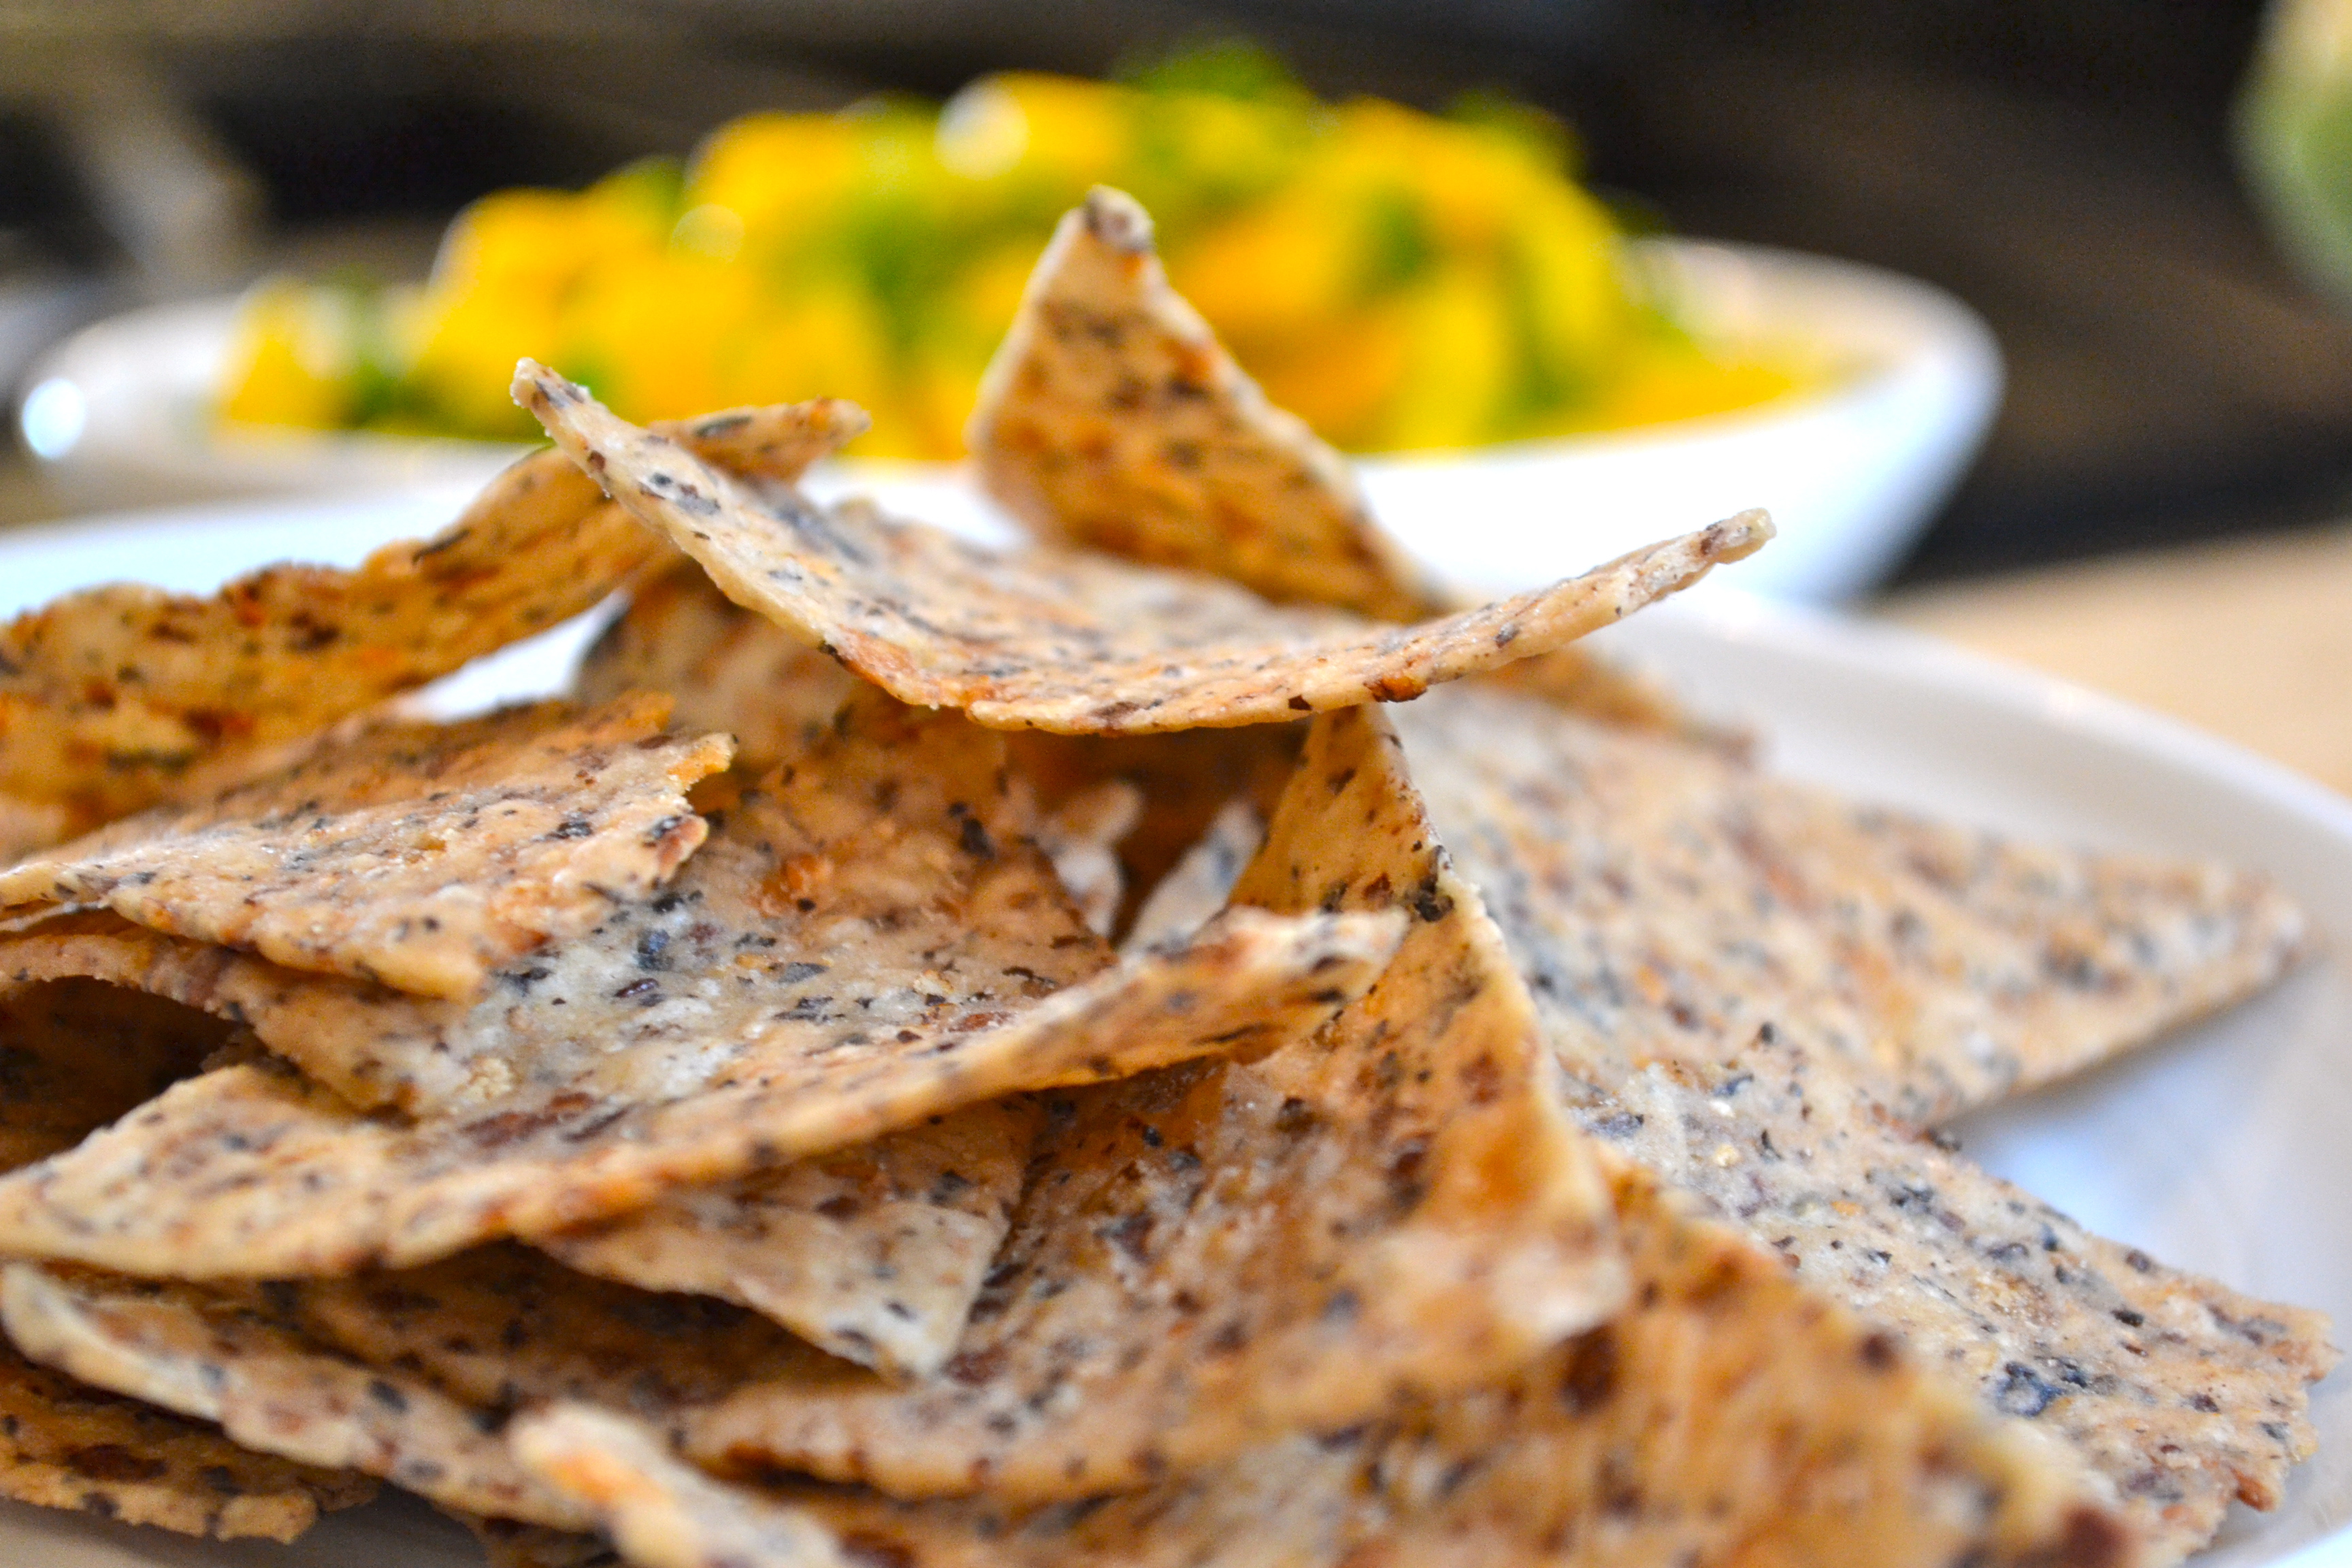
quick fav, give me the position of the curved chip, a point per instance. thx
(1065, 641)
(1111, 418)
(107, 697)
(421, 855)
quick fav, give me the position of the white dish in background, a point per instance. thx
(121, 414)
(2222, 1150)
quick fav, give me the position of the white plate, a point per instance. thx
(121, 413)
(2225, 1149)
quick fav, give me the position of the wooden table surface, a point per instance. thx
(2250, 640)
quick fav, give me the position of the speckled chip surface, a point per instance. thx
(1676, 901)
(420, 856)
(270, 1390)
(1216, 1255)
(867, 943)
(1060, 640)
(1112, 418)
(504, 1325)
(108, 696)
(875, 1253)
(1742, 977)
(2185, 1393)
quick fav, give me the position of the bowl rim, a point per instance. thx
(1921, 332)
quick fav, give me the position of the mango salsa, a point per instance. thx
(1403, 281)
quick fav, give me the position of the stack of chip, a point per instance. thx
(941, 1055)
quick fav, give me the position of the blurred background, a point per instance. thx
(2074, 171)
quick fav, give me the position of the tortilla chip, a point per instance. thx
(1064, 641)
(70, 1446)
(875, 1253)
(2182, 1391)
(1198, 886)
(1675, 902)
(1218, 1254)
(502, 1326)
(725, 668)
(1694, 938)
(270, 1391)
(776, 443)
(1112, 419)
(109, 695)
(883, 884)
(421, 855)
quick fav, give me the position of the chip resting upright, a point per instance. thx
(1112, 418)
(421, 855)
(1060, 640)
(1215, 1255)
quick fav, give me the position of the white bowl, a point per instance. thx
(120, 415)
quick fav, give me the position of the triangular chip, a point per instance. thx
(1111, 418)
(246, 1172)
(2183, 1393)
(109, 696)
(1216, 1255)
(270, 1391)
(1678, 901)
(502, 1326)
(64, 1445)
(890, 858)
(875, 1253)
(422, 856)
(1695, 937)
(1064, 641)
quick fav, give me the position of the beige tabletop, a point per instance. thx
(2252, 641)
